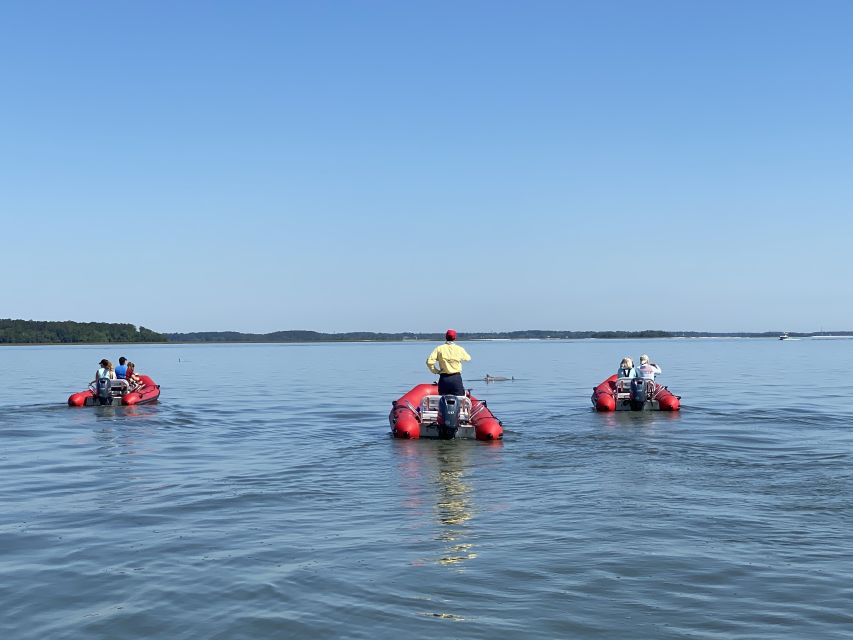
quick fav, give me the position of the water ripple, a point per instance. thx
(294, 514)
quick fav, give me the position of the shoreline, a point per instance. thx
(835, 336)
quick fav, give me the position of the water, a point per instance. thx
(262, 497)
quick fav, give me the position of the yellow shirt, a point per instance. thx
(449, 356)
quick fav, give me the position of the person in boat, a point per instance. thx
(105, 370)
(647, 370)
(626, 368)
(103, 381)
(131, 376)
(446, 360)
(121, 369)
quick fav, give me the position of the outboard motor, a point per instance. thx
(448, 416)
(639, 395)
(102, 388)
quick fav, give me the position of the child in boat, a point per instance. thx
(132, 378)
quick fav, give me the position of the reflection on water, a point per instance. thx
(453, 506)
(644, 419)
(206, 516)
(434, 473)
(121, 410)
(123, 430)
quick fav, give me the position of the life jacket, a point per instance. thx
(121, 371)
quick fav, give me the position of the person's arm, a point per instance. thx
(658, 370)
(465, 356)
(433, 357)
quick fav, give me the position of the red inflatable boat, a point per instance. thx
(633, 394)
(423, 413)
(120, 392)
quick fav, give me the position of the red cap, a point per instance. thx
(450, 335)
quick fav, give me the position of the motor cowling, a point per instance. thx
(102, 390)
(639, 393)
(449, 408)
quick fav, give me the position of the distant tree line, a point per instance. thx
(37, 332)
(533, 334)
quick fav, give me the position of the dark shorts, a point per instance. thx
(451, 384)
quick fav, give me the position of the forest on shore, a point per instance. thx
(360, 336)
(69, 332)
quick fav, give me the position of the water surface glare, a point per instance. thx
(263, 497)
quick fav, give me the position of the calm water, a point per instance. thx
(262, 497)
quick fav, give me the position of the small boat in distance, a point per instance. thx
(633, 394)
(118, 392)
(785, 336)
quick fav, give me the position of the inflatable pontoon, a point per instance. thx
(633, 394)
(423, 413)
(116, 392)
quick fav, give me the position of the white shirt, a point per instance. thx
(648, 371)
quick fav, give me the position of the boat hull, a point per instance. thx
(146, 393)
(606, 397)
(409, 421)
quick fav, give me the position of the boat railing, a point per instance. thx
(429, 409)
(623, 387)
(118, 387)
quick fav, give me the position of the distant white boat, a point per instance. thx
(785, 336)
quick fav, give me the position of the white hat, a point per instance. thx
(644, 358)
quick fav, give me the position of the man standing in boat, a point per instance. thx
(446, 360)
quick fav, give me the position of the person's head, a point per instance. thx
(626, 363)
(644, 359)
(106, 364)
(130, 365)
(450, 335)
(122, 360)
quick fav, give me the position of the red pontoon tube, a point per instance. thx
(423, 413)
(120, 392)
(617, 394)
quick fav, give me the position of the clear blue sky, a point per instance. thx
(393, 166)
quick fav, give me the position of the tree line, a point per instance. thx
(38, 332)
(531, 334)
(360, 336)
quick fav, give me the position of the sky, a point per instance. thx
(398, 166)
